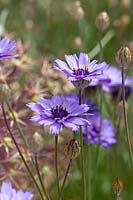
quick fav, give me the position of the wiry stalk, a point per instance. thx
(21, 155)
(40, 179)
(82, 153)
(125, 120)
(56, 164)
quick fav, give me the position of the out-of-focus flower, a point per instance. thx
(9, 193)
(99, 132)
(59, 111)
(80, 70)
(114, 83)
(7, 48)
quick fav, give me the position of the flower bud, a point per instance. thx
(77, 11)
(123, 57)
(78, 42)
(72, 149)
(36, 142)
(120, 107)
(102, 21)
(5, 92)
(117, 186)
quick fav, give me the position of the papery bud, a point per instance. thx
(123, 56)
(77, 11)
(102, 21)
(72, 149)
(130, 46)
(5, 92)
(124, 20)
(126, 4)
(36, 142)
(120, 107)
(78, 42)
(117, 186)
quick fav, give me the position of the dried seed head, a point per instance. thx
(126, 4)
(130, 46)
(123, 57)
(36, 142)
(117, 186)
(120, 107)
(5, 92)
(72, 149)
(102, 21)
(77, 11)
(78, 42)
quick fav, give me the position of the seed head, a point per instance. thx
(72, 149)
(5, 92)
(120, 107)
(123, 57)
(36, 142)
(77, 11)
(102, 21)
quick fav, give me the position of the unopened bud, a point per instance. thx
(72, 149)
(120, 107)
(117, 186)
(126, 4)
(78, 42)
(36, 142)
(123, 57)
(5, 92)
(77, 11)
(102, 21)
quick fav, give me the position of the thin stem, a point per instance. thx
(17, 124)
(100, 45)
(56, 164)
(40, 179)
(21, 155)
(125, 119)
(109, 35)
(64, 181)
(82, 153)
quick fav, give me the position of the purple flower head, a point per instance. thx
(93, 135)
(7, 48)
(114, 85)
(59, 111)
(8, 193)
(80, 70)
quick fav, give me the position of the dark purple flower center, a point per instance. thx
(81, 72)
(59, 112)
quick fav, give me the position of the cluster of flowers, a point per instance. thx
(60, 111)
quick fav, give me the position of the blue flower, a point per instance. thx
(115, 81)
(105, 136)
(80, 70)
(59, 111)
(9, 193)
(7, 48)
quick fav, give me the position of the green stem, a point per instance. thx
(125, 119)
(109, 35)
(100, 45)
(82, 153)
(56, 164)
(40, 179)
(17, 124)
(64, 181)
(21, 155)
